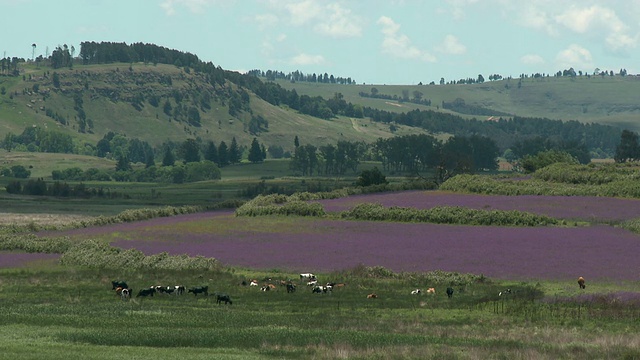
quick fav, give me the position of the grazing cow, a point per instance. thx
(312, 283)
(223, 297)
(244, 283)
(416, 292)
(449, 292)
(307, 276)
(125, 294)
(199, 290)
(265, 288)
(505, 292)
(321, 289)
(178, 289)
(117, 283)
(581, 282)
(291, 288)
(146, 292)
(431, 291)
(253, 283)
(372, 296)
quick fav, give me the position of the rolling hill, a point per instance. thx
(119, 98)
(608, 100)
(157, 101)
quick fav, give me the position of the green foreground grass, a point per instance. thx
(53, 312)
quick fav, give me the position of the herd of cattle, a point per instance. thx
(124, 291)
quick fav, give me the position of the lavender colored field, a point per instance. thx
(304, 244)
(565, 207)
(13, 260)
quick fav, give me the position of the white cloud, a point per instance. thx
(306, 59)
(532, 59)
(398, 44)
(195, 6)
(330, 19)
(600, 23)
(339, 22)
(452, 46)
(303, 12)
(575, 56)
(458, 8)
(536, 17)
(265, 21)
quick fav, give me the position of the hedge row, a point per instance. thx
(125, 216)
(591, 174)
(33, 244)
(485, 185)
(290, 208)
(447, 215)
(98, 254)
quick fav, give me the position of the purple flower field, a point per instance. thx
(566, 207)
(14, 260)
(508, 253)
(310, 244)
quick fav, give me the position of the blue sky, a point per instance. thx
(371, 41)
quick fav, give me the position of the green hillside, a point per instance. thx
(609, 100)
(119, 97)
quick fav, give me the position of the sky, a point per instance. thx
(393, 42)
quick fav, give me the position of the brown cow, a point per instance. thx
(581, 282)
(372, 296)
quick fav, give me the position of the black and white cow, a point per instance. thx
(291, 288)
(125, 294)
(146, 292)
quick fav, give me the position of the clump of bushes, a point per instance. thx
(294, 207)
(98, 254)
(447, 215)
(436, 277)
(33, 244)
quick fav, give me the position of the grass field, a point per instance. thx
(55, 312)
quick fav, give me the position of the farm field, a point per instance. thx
(596, 250)
(73, 311)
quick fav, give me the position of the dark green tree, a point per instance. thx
(629, 148)
(531, 163)
(123, 163)
(211, 152)
(190, 151)
(20, 172)
(223, 154)
(235, 154)
(168, 159)
(255, 152)
(371, 177)
(296, 142)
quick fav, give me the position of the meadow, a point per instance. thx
(60, 303)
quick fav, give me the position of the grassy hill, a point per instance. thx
(119, 97)
(605, 100)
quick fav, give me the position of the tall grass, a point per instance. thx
(447, 215)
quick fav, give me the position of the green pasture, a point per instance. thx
(606, 100)
(50, 311)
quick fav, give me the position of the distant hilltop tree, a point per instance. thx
(298, 76)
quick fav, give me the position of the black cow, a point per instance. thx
(199, 290)
(449, 292)
(223, 297)
(146, 292)
(291, 288)
(119, 284)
